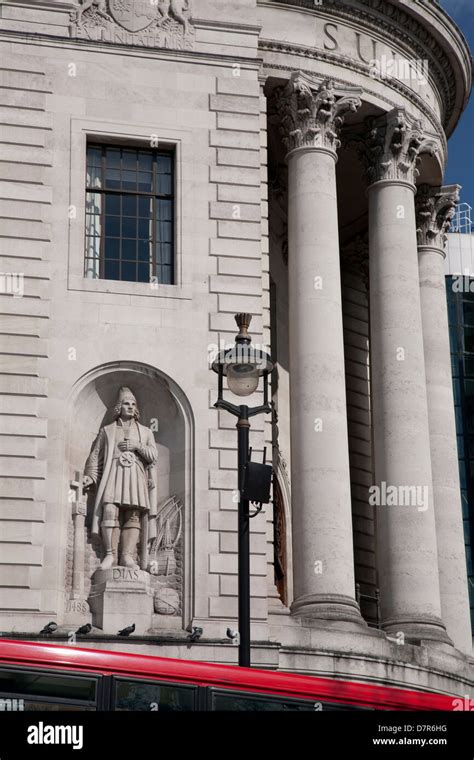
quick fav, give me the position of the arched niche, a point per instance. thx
(165, 409)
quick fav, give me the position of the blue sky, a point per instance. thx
(461, 145)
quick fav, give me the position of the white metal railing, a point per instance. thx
(462, 219)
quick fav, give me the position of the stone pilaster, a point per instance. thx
(311, 115)
(435, 207)
(406, 529)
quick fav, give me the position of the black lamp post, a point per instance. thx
(243, 365)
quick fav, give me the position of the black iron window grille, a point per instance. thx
(129, 214)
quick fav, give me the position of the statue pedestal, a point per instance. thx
(120, 597)
(77, 613)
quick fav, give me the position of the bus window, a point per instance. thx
(238, 701)
(37, 690)
(154, 696)
(29, 705)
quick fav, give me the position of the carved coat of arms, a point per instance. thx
(162, 21)
(133, 15)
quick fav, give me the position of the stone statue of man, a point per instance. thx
(121, 467)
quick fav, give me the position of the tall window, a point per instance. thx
(129, 214)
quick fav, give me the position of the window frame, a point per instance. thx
(117, 679)
(94, 705)
(104, 192)
(180, 141)
(327, 706)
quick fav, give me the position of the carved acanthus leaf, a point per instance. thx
(312, 113)
(435, 208)
(404, 26)
(392, 146)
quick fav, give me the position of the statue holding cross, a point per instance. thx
(121, 467)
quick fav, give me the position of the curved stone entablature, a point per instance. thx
(417, 38)
(431, 118)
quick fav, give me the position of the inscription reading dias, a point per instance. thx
(125, 574)
(149, 23)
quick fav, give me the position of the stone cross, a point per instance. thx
(79, 509)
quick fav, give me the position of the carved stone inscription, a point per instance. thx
(150, 23)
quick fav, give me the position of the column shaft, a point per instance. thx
(321, 498)
(406, 535)
(323, 557)
(435, 207)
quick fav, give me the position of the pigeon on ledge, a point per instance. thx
(127, 631)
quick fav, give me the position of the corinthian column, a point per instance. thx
(435, 207)
(406, 530)
(311, 115)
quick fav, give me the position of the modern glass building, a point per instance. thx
(461, 332)
(460, 295)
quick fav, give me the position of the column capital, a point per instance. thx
(435, 208)
(392, 147)
(312, 112)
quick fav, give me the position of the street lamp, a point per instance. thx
(244, 365)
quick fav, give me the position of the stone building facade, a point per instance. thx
(288, 158)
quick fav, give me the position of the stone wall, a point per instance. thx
(57, 94)
(26, 196)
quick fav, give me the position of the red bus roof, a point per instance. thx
(107, 662)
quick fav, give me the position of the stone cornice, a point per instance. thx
(363, 68)
(392, 145)
(312, 113)
(405, 26)
(71, 43)
(435, 208)
(113, 34)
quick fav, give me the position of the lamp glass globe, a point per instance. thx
(242, 379)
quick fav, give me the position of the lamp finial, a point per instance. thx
(243, 323)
